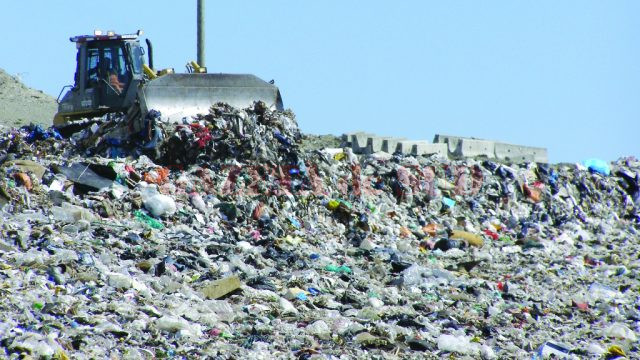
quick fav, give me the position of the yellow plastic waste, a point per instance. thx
(60, 355)
(333, 205)
(339, 156)
(472, 239)
(294, 293)
(292, 240)
(616, 350)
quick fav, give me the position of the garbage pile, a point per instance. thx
(231, 242)
(226, 133)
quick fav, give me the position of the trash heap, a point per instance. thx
(225, 134)
(231, 242)
(252, 134)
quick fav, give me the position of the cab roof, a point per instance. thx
(99, 36)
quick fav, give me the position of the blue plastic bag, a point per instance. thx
(597, 165)
(448, 202)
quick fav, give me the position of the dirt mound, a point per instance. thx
(21, 105)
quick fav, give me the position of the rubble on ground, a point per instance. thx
(231, 241)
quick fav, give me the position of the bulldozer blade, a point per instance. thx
(177, 96)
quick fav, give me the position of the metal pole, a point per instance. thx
(200, 25)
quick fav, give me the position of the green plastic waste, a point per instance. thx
(333, 205)
(343, 269)
(346, 203)
(148, 220)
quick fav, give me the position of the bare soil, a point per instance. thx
(21, 105)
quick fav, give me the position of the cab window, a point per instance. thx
(107, 64)
(115, 61)
(93, 66)
(136, 58)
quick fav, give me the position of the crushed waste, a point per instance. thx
(224, 237)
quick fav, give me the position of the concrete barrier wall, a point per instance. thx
(518, 153)
(455, 147)
(461, 147)
(425, 148)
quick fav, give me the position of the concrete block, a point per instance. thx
(347, 137)
(469, 148)
(427, 148)
(390, 144)
(375, 143)
(452, 142)
(405, 146)
(460, 147)
(519, 154)
(359, 142)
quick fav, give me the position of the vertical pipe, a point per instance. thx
(150, 52)
(200, 25)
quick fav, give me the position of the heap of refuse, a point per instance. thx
(229, 241)
(225, 134)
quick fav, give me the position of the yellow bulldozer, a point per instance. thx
(112, 76)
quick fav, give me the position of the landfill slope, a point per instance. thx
(315, 142)
(21, 105)
(224, 238)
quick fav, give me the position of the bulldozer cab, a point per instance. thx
(108, 69)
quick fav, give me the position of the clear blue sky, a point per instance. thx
(559, 74)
